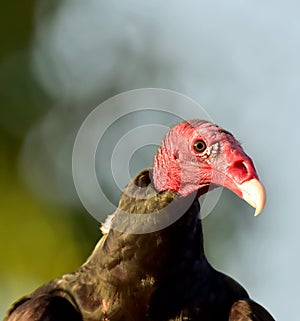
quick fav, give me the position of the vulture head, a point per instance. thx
(197, 155)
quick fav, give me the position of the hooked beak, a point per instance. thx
(254, 193)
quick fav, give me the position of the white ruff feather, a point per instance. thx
(105, 227)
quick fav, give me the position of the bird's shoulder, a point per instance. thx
(220, 298)
(47, 307)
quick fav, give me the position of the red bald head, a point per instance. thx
(197, 154)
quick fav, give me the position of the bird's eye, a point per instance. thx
(199, 146)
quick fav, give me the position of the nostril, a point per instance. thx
(241, 166)
(242, 170)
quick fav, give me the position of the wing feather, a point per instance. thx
(43, 308)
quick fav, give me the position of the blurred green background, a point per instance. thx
(60, 59)
(39, 239)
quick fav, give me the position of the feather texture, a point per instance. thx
(150, 263)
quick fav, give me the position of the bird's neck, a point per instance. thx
(142, 265)
(174, 240)
(154, 253)
(174, 229)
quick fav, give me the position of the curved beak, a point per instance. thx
(254, 193)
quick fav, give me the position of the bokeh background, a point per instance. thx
(60, 59)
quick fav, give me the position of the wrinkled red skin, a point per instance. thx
(178, 167)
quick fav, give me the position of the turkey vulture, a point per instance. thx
(140, 271)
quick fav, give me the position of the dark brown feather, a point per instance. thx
(44, 308)
(158, 276)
